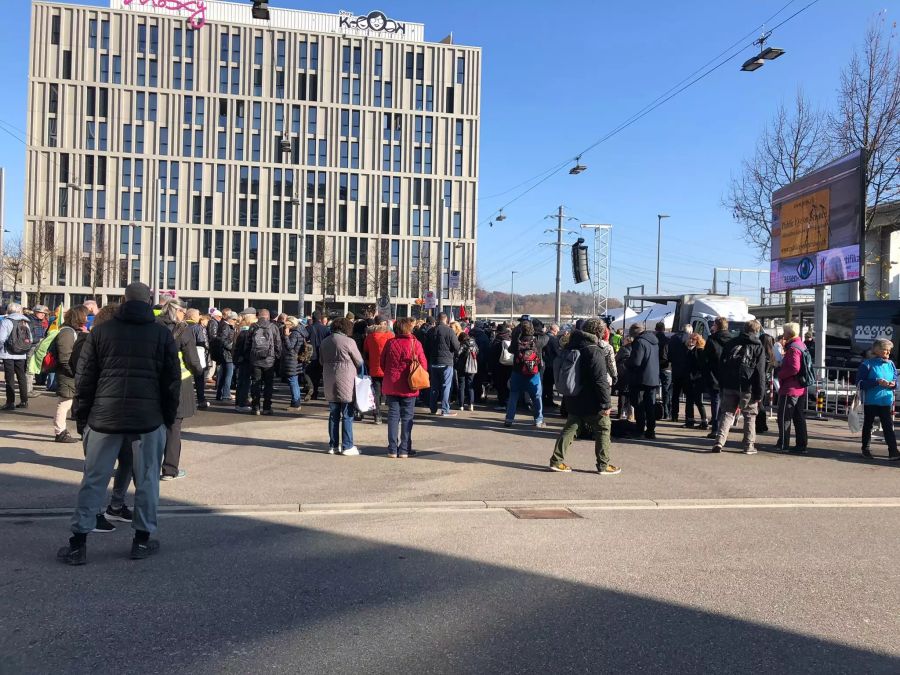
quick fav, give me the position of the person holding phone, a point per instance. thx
(877, 377)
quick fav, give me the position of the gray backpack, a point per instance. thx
(567, 372)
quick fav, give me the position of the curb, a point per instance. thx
(490, 505)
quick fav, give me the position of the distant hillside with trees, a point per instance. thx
(497, 302)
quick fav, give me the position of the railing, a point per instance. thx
(833, 392)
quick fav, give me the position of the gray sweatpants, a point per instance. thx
(101, 451)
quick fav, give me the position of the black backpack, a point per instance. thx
(738, 365)
(261, 346)
(19, 340)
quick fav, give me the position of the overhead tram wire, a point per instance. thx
(657, 102)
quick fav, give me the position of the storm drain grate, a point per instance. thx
(543, 514)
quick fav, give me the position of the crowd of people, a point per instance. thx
(130, 374)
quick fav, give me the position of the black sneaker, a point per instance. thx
(867, 454)
(9, 406)
(254, 411)
(895, 457)
(711, 434)
(688, 425)
(22, 406)
(413, 453)
(716, 448)
(123, 515)
(65, 437)
(141, 550)
(203, 406)
(650, 435)
(800, 450)
(72, 554)
(103, 526)
(704, 425)
(267, 411)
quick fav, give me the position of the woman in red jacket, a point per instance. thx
(372, 348)
(396, 357)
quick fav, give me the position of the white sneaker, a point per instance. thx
(350, 452)
(331, 450)
(750, 451)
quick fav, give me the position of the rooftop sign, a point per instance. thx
(374, 21)
(197, 8)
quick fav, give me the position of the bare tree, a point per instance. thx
(13, 263)
(99, 267)
(793, 144)
(40, 255)
(868, 116)
(324, 279)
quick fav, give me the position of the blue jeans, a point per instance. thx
(340, 415)
(519, 383)
(223, 382)
(401, 410)
(296, 394)
(441, 381)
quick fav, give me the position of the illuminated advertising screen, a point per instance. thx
(817, 225)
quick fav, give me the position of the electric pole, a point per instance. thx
(559, 230)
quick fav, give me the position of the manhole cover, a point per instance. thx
(543, 514)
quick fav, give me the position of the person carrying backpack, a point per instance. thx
(526, 376)
(742, 381)
(792, 392)
(466, 370)
(16, 342)
(263, 349)
(583, 380)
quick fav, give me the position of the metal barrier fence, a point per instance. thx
(833, 392)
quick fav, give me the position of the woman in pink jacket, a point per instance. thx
(792, 394)
(396, 357)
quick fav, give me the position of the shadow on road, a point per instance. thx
(236, 594)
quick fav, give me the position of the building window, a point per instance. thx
(460, 70)
(54, 30)
(67, 65)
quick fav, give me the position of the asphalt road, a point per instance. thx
(733, 591)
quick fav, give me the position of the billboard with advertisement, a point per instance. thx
(817, 225)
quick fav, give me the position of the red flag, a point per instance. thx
(462, 312)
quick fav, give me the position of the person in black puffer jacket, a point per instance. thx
(713, 353)
(172, 317)
(590, 408)
(293, 340)
(643, 369)
(127, 387)
(223, 347)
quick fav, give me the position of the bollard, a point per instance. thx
(820, 403)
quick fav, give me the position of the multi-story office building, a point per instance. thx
(341, 151)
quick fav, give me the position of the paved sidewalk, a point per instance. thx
(234, 459)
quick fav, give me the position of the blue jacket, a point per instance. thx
(869, 372)
(6, 326)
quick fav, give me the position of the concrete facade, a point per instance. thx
(268, 150)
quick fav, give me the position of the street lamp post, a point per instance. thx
(659, 219)
(512, 295)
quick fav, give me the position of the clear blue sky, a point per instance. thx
(558, 76)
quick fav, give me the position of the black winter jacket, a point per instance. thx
(441, 346)
(643, 364)
(263, 325)
(595, 389)
(757, 356)
(713, 353)
(128, 379)
(225, 340)
(291, 346)
(185, 340)
(678, 355)
(664, 359)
